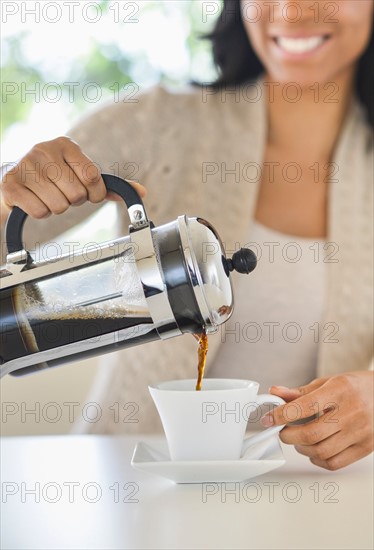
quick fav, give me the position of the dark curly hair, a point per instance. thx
(238, 63)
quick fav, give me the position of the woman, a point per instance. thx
(279, 151)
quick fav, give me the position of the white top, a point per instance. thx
(272, 336)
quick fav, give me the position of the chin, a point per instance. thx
(303, 78)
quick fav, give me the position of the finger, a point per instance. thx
(42, 187)
(313, 385)
(342, 459)
(25, 199)
(292, 393)
(87, 172)
(322, 399)
(328, 447)
(67, 181)
(288, 394)
(310, 433)
(49, 194)
(138, 187)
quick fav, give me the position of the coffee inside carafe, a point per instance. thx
(78, 305)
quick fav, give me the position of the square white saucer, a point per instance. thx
(157, 462)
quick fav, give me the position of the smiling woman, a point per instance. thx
(291, 43)
(299, 45)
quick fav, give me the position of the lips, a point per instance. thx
(299, 45)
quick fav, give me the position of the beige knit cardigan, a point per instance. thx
(169, 137)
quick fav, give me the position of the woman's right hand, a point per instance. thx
(52, 176)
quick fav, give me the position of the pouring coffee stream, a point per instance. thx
(158, 282)
(202, 351)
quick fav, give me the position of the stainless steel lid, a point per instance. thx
(209, 269)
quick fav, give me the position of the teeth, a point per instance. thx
(299, 45)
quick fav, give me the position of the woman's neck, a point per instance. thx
(308, 128)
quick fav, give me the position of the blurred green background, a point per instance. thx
(60, 61)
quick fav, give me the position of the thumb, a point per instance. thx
(141, 190)
(289, 394)
(138, 187)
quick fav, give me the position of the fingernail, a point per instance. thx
(267, 420)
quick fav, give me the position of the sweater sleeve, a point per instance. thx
(115, 138)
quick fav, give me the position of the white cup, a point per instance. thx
(209, 424)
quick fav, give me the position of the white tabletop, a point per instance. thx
(298, 506)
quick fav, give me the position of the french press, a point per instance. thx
(155, 283)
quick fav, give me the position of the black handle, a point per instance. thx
(123, 188)
(17, 217)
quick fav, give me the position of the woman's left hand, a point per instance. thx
(343, 431)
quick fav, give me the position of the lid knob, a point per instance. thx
(243, 261)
